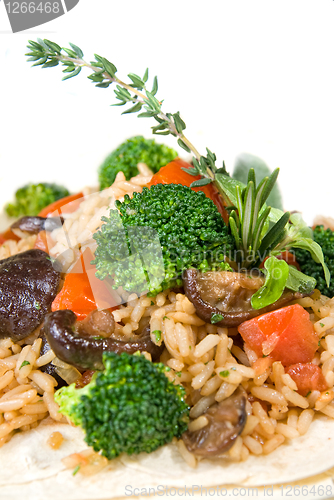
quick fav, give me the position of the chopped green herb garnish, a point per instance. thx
(76, 470)
(165, 317)
(309, 392)
(25, 363)
(322, 325)
(224, 373)
(178, 374)
(157, 334)
(37, 306)
(215, 318)
(152, 303)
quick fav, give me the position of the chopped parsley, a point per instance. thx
(25, 363)
(76, 470)
(215, 318)
(157, 334)
(224, 373)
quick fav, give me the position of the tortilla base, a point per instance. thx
(30, 467)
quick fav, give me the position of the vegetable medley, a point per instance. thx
(214, 324)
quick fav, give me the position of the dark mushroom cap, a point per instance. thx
(35, 224)
(226, 421)
(228, 294)
(28, 285)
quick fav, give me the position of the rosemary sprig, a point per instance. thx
(249, 220)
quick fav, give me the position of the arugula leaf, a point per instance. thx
(276, 277)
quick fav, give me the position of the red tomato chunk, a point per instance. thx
(308, 377)
(285, 335)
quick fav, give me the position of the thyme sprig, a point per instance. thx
(49, 54)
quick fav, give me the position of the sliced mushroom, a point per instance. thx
(83, 351)
(97, 323)
(226, 421)
(28, 285)
(227, 295)
(49, 368)
(35, 224)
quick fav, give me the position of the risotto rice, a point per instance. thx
(202, 357)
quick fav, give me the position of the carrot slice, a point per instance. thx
(65, 205)
(82, 292)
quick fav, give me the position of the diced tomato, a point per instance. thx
(65, 205)
(308, 377)
(172, 173)
(285, 335)
(82, 292)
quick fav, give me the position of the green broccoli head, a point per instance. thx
(167, 228)
(32, 198)
(325, 238)
(130, 407)
(131, 152)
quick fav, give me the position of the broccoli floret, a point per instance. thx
(160, 233)
(325, 238)
(131, 152)
(129, 407)
(32, 198)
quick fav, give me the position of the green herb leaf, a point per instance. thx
(25, 363)
(200, 182)
(215, 318)
(157, 335)
(76, 470)
(299, 282)
(276, 278)
(224, 373)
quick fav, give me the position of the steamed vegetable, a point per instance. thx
(126, 157)
(130, 407)
(285, 335)
(82, 292)
(149, 241)
(32, 198)
(324, 238)
(176, 173)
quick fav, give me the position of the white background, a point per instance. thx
(250, 76)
